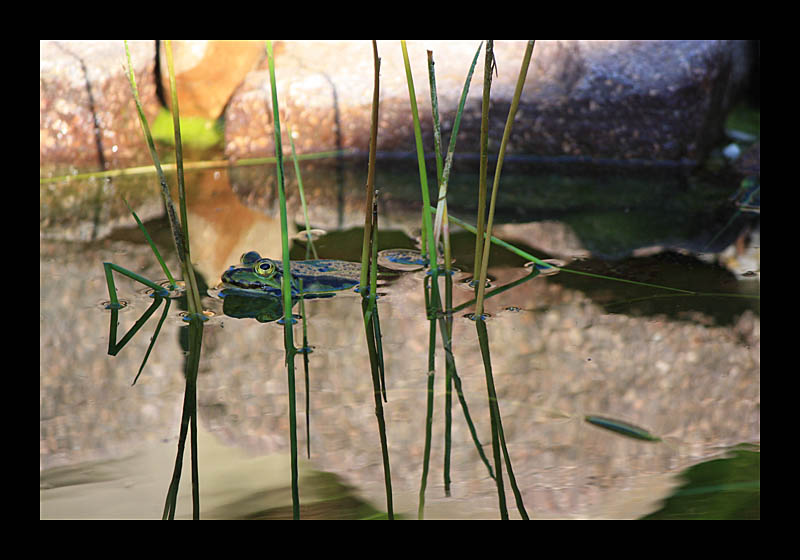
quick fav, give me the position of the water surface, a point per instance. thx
(686, 368)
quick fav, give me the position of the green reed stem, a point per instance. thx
(193, 296)
(433, 304)
(188, 166)
(178, 145)
(373, 301)
(168, 205)
(370, 187)
(484, 159)
(449, 363)
(430, 248)
(112, 292)
(180, 232)
(523, 72)
(426, 455)
(286, 287)
(432, 296)
(309, 239)
(194, 303)
(437, 146)
(153, 338)
(498, 438)
(525, 255)
(441, 225)
(423, 174)
(306, 351)
(114, 306)
(152, 245)
(444, 175)
(448, 379)
(437, 131)
(369, 326)
(368, 288)
(188, 420)
(494, 415)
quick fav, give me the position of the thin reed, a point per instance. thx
(180, 230)
(481, 287)
(433, 302)
(368, 288)
(187, 166)
(301, 191)
(444, 317)
(286, 287)
(432, 299)
(498, 438)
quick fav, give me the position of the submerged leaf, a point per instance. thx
(622, 428)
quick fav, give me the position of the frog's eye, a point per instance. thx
(250, 257)
(264, 267)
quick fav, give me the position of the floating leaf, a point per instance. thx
(622, 428)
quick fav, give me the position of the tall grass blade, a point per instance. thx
(286, 289)
(112, 291)
(306, 351)
(177, 233)
(196, 317)
(376, 383)
(370, 311)
(187, 166)
(309, 239)
(446, 341)
(370, 186)
(433, 299)
(188, 420)
(180, 232)
(432, 303)
(468, 419)
(153, 339)
(159, 293)
(368, 288)
(373, 300)
(484, 159)
(495, 186)
(152, 245)
(525, 255)
(534, 272)
(441, 207)
(437, 131)
(427, 223)
(450, 365)
(437, 145)
(176, 125)
(483, 341)
(441, 226)
(498, 438)
(429, 403)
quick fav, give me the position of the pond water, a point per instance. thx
(686, 368)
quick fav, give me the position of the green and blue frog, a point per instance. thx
(312, 278)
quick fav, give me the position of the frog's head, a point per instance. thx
(254, 274)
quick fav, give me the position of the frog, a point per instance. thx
(310, 278)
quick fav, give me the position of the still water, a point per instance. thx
(686, 368)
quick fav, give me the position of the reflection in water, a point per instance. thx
(687, 369)
(554, 267)
(558, 351)
(401, 259)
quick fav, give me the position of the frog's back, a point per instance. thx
(326, 275)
